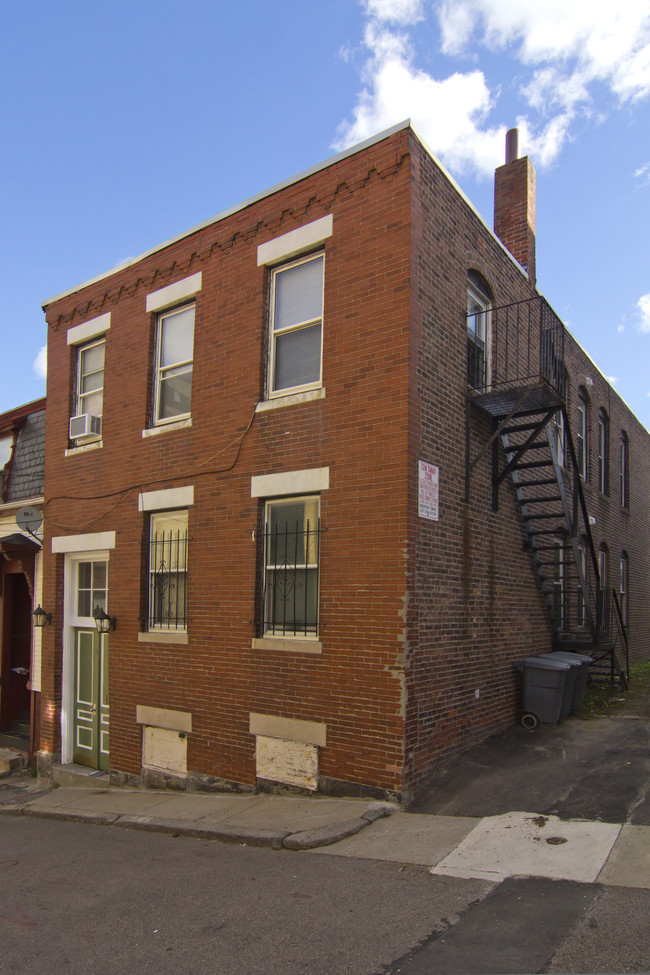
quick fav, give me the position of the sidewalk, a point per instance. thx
(489, 848)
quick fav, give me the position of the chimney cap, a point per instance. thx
(512, 145)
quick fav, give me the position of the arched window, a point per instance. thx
(603, 451)
(625, 470)
(581, 432)
(623, 591)
(478, 331)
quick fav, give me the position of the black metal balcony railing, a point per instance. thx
(526, 343)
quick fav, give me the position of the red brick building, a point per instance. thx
(277, 468)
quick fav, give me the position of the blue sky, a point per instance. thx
(126, 123)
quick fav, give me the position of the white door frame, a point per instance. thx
(70, 621)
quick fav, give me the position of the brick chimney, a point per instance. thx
(514, 205)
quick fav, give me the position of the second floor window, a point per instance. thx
(174, 355)
(296, 326)
(581, 434)
(625, 471)
(478, 314)
(603, 452)
(90, 379)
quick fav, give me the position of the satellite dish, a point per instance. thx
(29, 519)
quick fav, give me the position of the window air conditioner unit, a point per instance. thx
(85, 425)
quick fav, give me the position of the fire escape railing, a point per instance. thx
(525, 344)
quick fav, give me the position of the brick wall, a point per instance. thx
(421, 621)
(358, 430)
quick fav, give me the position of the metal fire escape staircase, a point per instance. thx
(532, 445)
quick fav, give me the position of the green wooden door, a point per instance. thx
(91, 713)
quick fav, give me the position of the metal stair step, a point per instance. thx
(536, 517)
(539, 483)
(541, 500)
(528, 465)
(537, 445)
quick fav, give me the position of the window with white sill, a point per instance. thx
(173, 364)
(296, 326)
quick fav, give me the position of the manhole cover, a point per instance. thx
(556, 840)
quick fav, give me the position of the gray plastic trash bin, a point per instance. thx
(568, 694)
(582, 661)
(544, 689)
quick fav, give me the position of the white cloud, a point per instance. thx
(450, 114)
(643, 304)
(643, 173)
(612, 380)
(395, 11)
(39, 364)
(558, 51)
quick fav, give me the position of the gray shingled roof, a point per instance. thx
(28, 468)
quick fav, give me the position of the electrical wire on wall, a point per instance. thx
(139, 486)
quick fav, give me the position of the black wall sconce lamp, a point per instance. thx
(103, 621)
(41, 618)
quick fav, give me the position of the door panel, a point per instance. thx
(90, 745)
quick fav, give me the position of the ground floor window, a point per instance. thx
(167, 596)
(291, 566)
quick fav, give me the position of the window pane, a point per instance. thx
(297, 357)
(85, 575)
(177, 340)
(299, 294)
(167, 570)
(292, 599)
(175, 392)
(92, 359)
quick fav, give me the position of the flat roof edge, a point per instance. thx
(330, 161)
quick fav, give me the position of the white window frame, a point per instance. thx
(582, 439)
(79, 375)
(624, 576)
(603, 452)
(272, 392)
(625, 470)
(560, 437)
(481, 336)
(582, 566)
(152, 572)
(161, 317)
(307, 632)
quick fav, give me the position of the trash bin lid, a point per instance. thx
(579, 658)
(547, 662)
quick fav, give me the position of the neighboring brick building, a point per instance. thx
(262, 462)
(22, 463)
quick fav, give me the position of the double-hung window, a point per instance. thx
(603, 452)
(623, 590)
(625, 470)
(296, 325)
(478, 315)
(174, 355)
(167, 577)
(90, 378)
(581, 433)
(291, 567)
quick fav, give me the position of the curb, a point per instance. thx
(275, 839)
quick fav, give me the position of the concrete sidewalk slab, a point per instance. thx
(628, 864)
(529, 845)
(406, 838)
(279, 812)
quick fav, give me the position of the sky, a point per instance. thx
(125, 123)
